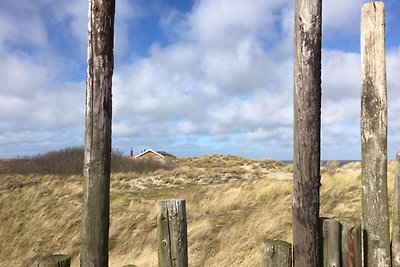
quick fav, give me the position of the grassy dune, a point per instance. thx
(232, 204)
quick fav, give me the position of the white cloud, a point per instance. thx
(225, 81)
(21, 77)
(220, 24)
(393, 81)
(341, 92)
(73, 15)
(342, 16)
(221, 81)
(22, 26)
(38, 101)
(194, 88)
(244, 68)
(341, 74)
(187, 127)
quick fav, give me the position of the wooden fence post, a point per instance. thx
(307, 247)
(396, 217)
(351, 242)
(97, 160)
(57, 260)
(375, 213)
(276, 253)
(331, 242)
(172, 233)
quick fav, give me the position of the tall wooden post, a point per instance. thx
(96, 184)
(396, 217)
(375, 213)
(307, 248)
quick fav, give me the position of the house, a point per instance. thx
(151, 154)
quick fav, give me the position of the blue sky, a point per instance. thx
(191, 77)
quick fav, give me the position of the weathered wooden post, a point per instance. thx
(96, 184)
(375, 214)
(57, 260)
(276, 253)
(331, 232)
(351, 242)
(307, 247)
(396, 217)
(172, 233)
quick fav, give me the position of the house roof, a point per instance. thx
(149, 151)
(165, 154)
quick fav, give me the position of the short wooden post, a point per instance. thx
(307, 249)
(57, 260)
(375, 212)
(276, 253)
(351, 242)
(396, 217)
(331, 242)
(172, 233)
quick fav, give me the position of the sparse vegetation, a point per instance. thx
(70, 162)
(232, 204)
(330, 167)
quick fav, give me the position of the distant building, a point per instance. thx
(151, 154)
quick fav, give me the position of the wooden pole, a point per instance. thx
(57, 260)
(276, 253)
(307, 248)
(375, 213)
(172, 233)
(396, 217)
(351, 242)
(331, 242)
(96, 183)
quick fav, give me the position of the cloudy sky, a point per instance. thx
(191, 77)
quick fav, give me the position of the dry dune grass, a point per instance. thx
(232, 204)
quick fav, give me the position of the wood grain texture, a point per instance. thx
(351, 242)
(307, 247)
(396, 217)
(276, 253)
(172, 233)
(331, 230)
(375, 213)
(97, 160)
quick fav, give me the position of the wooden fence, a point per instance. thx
(335, 242)
(341, 240)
